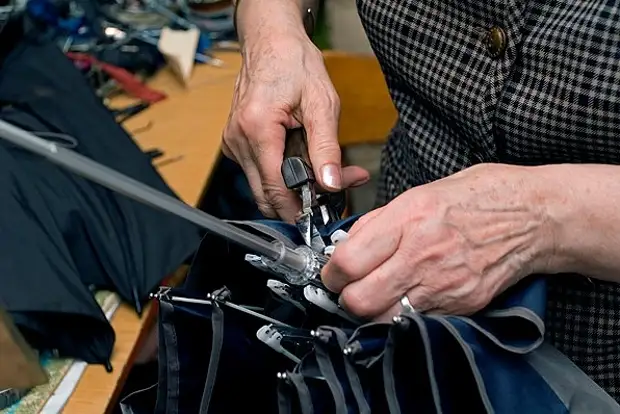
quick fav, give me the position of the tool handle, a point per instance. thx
(296, 145)
(297, 172)
(296, 168)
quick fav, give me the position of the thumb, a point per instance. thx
(322, 132)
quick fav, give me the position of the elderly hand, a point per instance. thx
(450, 246)
(283, 84)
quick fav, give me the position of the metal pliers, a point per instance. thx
(318, 210)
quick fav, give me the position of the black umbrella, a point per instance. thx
(65, 237)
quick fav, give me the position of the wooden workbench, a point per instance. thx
(189, 124)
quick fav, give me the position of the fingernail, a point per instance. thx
(330, 173)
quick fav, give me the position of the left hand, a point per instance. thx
(451, 246)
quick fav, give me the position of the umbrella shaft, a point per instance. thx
(138, 191)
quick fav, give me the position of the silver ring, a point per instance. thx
(407, 307)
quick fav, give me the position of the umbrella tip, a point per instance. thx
(137, 302)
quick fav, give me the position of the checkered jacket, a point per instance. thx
(552, 96)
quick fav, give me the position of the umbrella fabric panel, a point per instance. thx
(65, 237)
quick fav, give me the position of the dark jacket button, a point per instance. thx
(496, 41)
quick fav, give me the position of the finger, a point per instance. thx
(269, 155)
(241, 152)
(421, 300)
(321, 123)
(361, 253)
(265, 134)
(376, 293)
(354, 176)
(256, 184)
(388, 316)
(364, 220)
(228, 152)
(398, 309)
(238, 150)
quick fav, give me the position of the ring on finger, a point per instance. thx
(406, 305)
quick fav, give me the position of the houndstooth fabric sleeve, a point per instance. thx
(552, 95)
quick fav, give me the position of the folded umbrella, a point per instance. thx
(66, 237)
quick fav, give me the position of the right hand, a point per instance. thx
(284, 84)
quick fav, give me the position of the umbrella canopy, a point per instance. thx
(63, 236)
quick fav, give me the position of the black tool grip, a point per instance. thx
(296, 167)
(296, 173)
(296, 144)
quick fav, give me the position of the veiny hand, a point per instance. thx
(451, 246)
(283, 84)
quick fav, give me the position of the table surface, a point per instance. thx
(189, 125)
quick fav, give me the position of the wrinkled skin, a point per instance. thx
(451, 246)
(283, 84)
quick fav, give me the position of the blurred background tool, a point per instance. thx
(116, 43)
